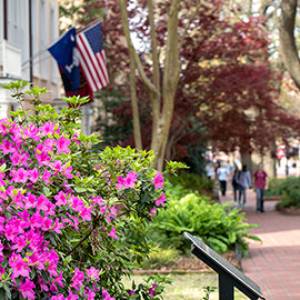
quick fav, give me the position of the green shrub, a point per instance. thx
(190, 182)
(276, 186)
(288, 188)
(218, 225)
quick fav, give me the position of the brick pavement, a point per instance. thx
(274, 264)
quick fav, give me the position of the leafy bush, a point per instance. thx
(189, 182)
(72, 220)
(276, 186)
(219, 226)
(288, 188)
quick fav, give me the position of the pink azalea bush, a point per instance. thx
(71, 216)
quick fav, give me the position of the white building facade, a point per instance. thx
(15, 59)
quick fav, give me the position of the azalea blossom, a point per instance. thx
(158, 181)
(161, 200)
(113, 234)
(127, 182)
(26, 289)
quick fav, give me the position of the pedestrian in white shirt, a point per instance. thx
(222, 173)
(210, 171)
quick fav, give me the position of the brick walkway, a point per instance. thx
(274, 264)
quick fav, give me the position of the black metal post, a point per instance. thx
(5, 18)
(30, 43)
(226, 287)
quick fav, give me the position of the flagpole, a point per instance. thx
(5, 31)
(30, 43)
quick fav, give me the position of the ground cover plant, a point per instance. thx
(221, 227)
(72, 219)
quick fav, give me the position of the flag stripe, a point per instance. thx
(94, 60)
(92, 56)
(86, 70)
(104, 60)
(89, 63)
(102, 69)
(101, 58)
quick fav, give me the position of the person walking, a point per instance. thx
(235, 183)
(210, 170)
(244, 182)
(222, 174)
(260, 182)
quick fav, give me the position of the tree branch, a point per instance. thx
(288, 46)
(86, 236)
(138, 63)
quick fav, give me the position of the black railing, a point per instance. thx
(229, 276)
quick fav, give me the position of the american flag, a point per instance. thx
(92, 56)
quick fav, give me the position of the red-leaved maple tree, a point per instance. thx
(226, 82)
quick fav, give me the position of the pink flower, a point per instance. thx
(47, 128)
(58, 281)
(33, 175)
(19, 267)
(32, 132)
(20, 175)
(2, 182)
(58, 297)
(153, 211)
(152, 290)
(85, 214)
(161, 200)
(130, 179)
(42, 284)
(120, 183)
(72, 296)
(57, 166)
(113, 234)
(19, 244)
(26, 289)
(61, 198)
(15, 158)
(158, 181)
(93, 273)
(90, 295)
(62, 145)
(46, 176)
(77, 204)
(48, 144)
(97, 201)
(67, 172)
(7, 147)
(77, 279)
(42, 157)
(106, 295)
(75, 139)
(127, 182)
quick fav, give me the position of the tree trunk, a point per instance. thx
(133, 95)
(288, 46)
(135, 108)
(155, 97)
(161, 121)
(170, 82)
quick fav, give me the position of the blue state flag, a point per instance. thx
(66, 55)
